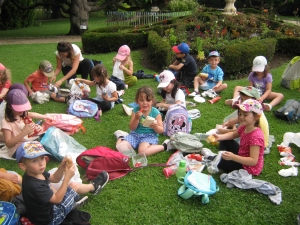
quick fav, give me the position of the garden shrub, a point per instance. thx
(289, 45)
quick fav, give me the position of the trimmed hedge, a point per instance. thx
(288, 45)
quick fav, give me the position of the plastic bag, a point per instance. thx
(76, 178)
(2, 111)
(40, 97)
(59, 144)
(290, 137)
(78, 91)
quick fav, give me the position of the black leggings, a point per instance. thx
(104, 106)
(84, 68)
(229, 165)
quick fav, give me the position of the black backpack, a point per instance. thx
(289, 112)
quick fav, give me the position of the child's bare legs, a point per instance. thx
(275, 99)
(57, 99)
(236, 94)
(150, 149)
(221, 88)
(123, 146)
(197, 81)
(81, 188)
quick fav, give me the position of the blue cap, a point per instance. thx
(30, 150)
(214, 53)
(182, 47)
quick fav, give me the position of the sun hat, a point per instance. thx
(165, 77)
(30, 150)
(18, 100)
(123, 52)
(47, 68)
(20, 87)
(251, 105)
(214, 53)
(251, 91)
(2, 67)
(182, 47)
(259, 64)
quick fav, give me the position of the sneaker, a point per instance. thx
(99, 182)
(169, 145)
(120, 133)
(126, 86)
(127, 110)
(193, 94)
(267, 107)
(120, 93)
(81, 202)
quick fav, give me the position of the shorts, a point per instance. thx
(61, 210)
(207, 85)
(136, 139)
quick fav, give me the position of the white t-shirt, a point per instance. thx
(110, 88)
(117, 72)
(179, 96)
(67, 61)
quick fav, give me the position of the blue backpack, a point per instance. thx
(198, 184)
(177, 120)
(83, 108)
(8, 214)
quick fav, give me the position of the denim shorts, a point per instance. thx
(136, 139)
(207, 85)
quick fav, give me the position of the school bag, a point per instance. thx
(68, 123)
(102, 158)
(197, 184)
(83, 108)
(8, 214)
(290, 111)
(185, 142)
(177, 120)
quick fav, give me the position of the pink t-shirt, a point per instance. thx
(39, 81)
(247, 140)
(7, 85)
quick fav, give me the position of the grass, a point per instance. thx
(146, 196)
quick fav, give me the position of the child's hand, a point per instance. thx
(217, 138)
(154, 125)
(12, 177)
(228, 155)
(70, 172)
(52, 79)
(138, 115)
(58, 83)
(29, 128)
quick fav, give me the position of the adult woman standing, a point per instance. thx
(70, 62)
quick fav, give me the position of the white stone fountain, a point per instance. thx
(230, 8)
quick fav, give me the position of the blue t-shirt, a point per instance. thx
(140, 128)
(213, 75)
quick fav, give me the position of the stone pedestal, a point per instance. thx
(230, 8)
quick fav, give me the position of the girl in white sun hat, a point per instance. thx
(261, 79)
(171, 93)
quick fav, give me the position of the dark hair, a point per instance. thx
(174, 90)
(256, 124)
(266, 71)
(101, 72)
(9, 115)
(66, 47)
(147, 91)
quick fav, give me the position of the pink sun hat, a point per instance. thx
(123, 52)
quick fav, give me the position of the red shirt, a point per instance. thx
(38, 80)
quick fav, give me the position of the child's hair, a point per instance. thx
(174, 90)
(266, 71)
(147, 92)
(9, 115)
(6, 75)
(66, 47)
(101, 72)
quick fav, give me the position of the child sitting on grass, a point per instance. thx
(143, 138)
(211, 76)
(43, 203)
(249, 154)
(5, 81)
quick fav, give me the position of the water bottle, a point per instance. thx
(181, 171)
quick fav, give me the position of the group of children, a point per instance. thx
(44, 204)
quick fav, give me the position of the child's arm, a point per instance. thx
(227, 136)
(3, 93)
(128, 71)
(135, 119)
(59, 173)
(58, 196)
(157, 125)
(113, 98)
(11, 177)
(176, 67)
(40, 116)
(267, 92)
(11, 141)
(231, 122)
(249, 161)
(26, 84)
(88, 82)
(75, 65)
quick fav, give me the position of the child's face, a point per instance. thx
(244, 97)
(169, 88)
(179, 55)
(247, 118)
(17, 113)
(36, 166)
(144, 104)
(213, 61)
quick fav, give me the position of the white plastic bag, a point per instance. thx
(290, 137)
(78, 93)
(76, 178)
(40, 97)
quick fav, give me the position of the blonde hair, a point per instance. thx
(5, 76)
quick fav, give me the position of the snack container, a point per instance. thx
(214, 100)
(139, 160)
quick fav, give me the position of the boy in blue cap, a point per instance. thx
(43, 203)
(184, 65)
(211, 76)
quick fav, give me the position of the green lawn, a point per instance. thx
(146, 196)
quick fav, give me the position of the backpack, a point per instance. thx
(102, 158)
(290, 111)
(8, 214)
(198, 184)
(185, 90)
(185, 142)
(68, 123)
(83, 108)
(176, 120)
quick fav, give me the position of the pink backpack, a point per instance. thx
(102, 158)
(68, 123)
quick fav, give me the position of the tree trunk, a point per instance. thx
(79, 15)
